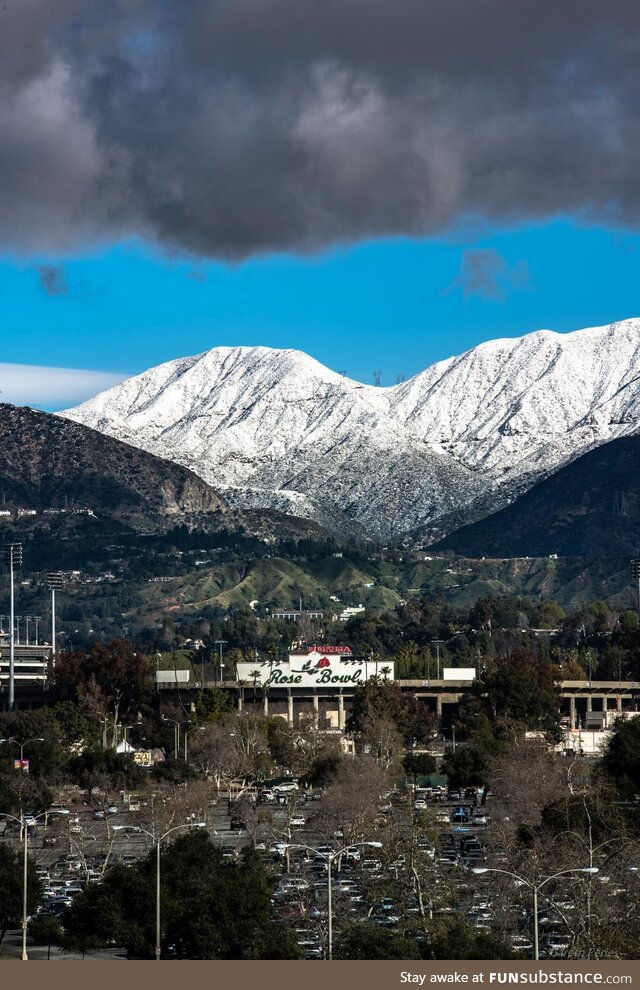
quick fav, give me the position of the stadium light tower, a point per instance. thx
(635, 575)
(54, 583)
(12, 559)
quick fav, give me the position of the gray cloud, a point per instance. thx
(51, 388)
(53, 280)
(486, 273)
(233, 127)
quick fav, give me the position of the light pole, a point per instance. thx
(185, 736)
(54, 583)
(331, 858)
(535, 888)
(22, 745)
(176, 734)
(104, 723)
(157, 841)
(12, 559)
(25, 875)
(437, 643)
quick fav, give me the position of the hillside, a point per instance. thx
(591, 508)
(51, 463)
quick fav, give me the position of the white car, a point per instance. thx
(279, 848)
(372, 865)
(293, 883)
(298, 821)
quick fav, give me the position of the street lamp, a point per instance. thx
(104, 722)
(25, 874)
(330, 858)
(185, 736)
(535, 887)
(12, 559)
(22, 745)
(176, 734)
(157, 841)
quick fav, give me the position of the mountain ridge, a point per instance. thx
(275, 428)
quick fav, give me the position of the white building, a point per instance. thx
(348, 613)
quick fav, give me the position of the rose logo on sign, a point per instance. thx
(324, 662)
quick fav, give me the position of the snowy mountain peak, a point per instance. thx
(277, 428)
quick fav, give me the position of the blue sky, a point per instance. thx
(394, 306)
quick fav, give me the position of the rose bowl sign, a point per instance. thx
(317, 668)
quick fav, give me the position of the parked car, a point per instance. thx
(292, 884)
(279, 848)
(372, 865)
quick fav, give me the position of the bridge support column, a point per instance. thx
(572, 712)
(290, 708)
(341, 718)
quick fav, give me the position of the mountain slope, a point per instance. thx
(47, 462)
(276, 429)
(522, 406)
(590, 507)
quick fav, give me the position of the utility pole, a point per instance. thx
(219, 643)
(437, 643)
(13, 559)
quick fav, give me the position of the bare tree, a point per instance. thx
(350, 804)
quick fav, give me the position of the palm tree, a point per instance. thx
(385, 671)
(255, 674)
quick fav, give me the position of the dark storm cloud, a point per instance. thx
(53, 280)
(485, 273)
(230, 127)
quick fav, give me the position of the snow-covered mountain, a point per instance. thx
(275, 428)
